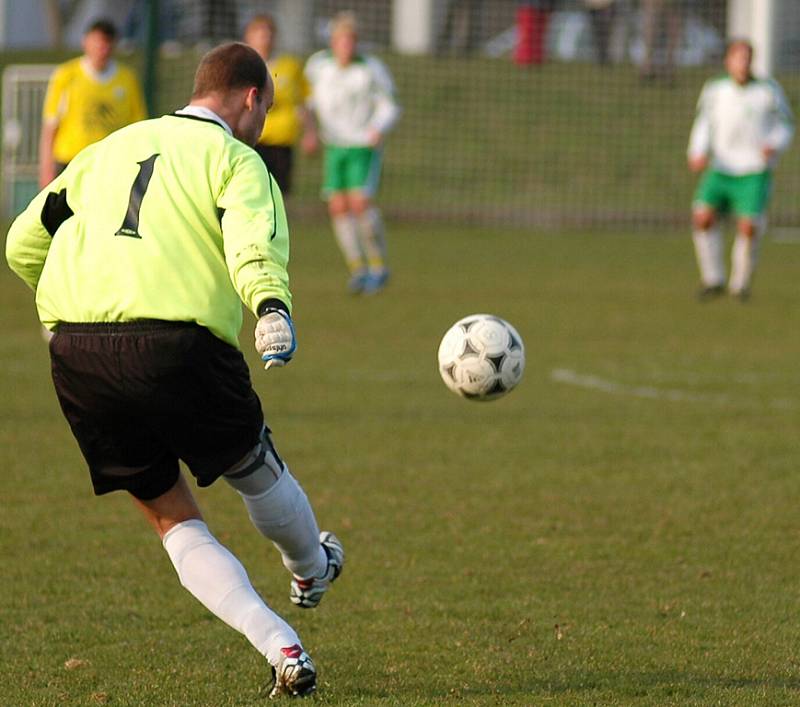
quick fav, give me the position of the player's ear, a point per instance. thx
(252, 98)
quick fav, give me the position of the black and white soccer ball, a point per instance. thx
(481, 357)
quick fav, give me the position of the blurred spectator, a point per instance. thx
(601, 15)
(460, 32)
(87, 98)
(533, 17)
(661, 20)
(284, 124)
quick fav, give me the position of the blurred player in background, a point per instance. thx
(661, 17)
(601, 17)
(352, 108)
(141, 253)
(533, 20)
(286, 117)
(743, 124)
(87, 98)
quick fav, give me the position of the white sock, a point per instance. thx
(283, 514)
(219, 582)
(345, 228)
(744, 257)
(373, 238)
(708, 249)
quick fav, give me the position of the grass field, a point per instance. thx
(620, 530)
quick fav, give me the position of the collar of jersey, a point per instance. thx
(204, 114)
(103, 76)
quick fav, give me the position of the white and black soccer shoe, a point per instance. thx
(307, 593)
(295, 675)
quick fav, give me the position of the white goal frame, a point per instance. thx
(24, 87)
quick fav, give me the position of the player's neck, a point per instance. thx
(211, 109)
(742, 81)
(99, 73)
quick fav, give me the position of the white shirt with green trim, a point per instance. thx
(351, 100)
(735, 123)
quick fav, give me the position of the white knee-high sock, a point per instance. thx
(708, 249)
(214, 576)
(345, 229)
(744, 257)
(373, 238)
(283, 514)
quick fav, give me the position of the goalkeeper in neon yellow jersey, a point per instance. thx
(141, 254)
(743, 124)
(352, 101)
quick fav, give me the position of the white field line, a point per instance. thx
(570, 377)
(785, 235)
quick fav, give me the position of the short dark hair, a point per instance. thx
(105, 27)
(228, 67)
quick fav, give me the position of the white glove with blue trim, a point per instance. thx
(275, 338)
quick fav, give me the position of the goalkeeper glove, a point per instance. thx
(275, 337)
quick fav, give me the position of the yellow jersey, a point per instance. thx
(283, 125)
(87, 106)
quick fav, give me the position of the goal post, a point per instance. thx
(756, 21)
(412, 26)
(23, 88)
(772, 26)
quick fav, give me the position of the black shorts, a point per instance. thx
(279, 160)
(139, 396)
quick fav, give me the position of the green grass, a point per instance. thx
(561, 546)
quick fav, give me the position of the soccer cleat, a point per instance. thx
(295, 675)
(307, 593)
(708, 292)
(742, 295)
(357, 281)
(375, 281)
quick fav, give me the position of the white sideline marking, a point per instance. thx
(785, 235)
(565, 375)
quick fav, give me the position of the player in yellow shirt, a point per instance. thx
(286, 118)
(87, 98)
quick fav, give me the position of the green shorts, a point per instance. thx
(351, 169)
(746, 195)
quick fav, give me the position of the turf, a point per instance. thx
(566, 545)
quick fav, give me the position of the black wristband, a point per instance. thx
(269, 304)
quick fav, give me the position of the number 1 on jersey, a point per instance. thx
(130, 226)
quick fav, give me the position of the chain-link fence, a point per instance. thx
(546, 113)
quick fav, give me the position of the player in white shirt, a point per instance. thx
(743, 124)
(352, 107)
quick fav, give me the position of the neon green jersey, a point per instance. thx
(171, 218)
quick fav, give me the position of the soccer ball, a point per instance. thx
(481, 357)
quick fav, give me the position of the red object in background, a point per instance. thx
(531, 33)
